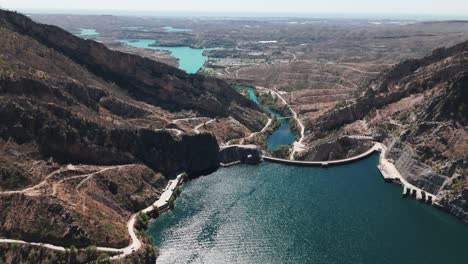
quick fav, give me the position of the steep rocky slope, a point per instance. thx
(146, 80)
(419, 108)
(84, 133)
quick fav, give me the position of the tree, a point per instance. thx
(91, 252)
(150, 255)
(154, 213)
(33, 256)
(103, 258)
(73, 253)
(142, 220)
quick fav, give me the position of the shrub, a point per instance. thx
(103, 258)
(73, 253)
(177, 192)
(142, 221)
(91, 252)
(282, 152)
(73, 250)
(150, 254)
(33, 256)
(154, 213)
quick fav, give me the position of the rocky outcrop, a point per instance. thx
(335, 149)
(454, 197)
(122, 108)
(249, 154)
(356, 110)
(402, 80)
(70, 139)
(413, 170)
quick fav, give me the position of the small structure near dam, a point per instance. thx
(235, 154)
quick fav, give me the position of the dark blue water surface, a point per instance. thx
(272, 213)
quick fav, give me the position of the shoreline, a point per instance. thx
(387, 169)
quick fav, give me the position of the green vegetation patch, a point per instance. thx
(272, 102)
(282, 152)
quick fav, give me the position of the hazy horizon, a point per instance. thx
(219, 14)
(448, 9)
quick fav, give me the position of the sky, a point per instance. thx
(417, 7)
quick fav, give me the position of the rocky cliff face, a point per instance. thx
(83, 138)
(334, 149)
(404, 79)
(419, 109)
(249, 154)
(143, 79)
(68, 137)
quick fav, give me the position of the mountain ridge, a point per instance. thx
(88, 136)
(419, 110)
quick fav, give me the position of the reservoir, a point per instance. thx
(190, 60)
(272, 213)
(173, 29)
(280, 136)
(88, 32)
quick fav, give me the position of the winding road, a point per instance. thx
(264, 129)
(205, 121)
(135, 244)
(197, 128)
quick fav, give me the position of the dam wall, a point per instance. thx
(375, 148)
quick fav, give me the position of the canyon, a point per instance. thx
(87, 134)
(90, 135)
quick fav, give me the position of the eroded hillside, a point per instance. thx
(88, 136)
(419, 109)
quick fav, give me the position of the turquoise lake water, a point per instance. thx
(88, 32)
(173, 29)
(282, 135)
(190, 60)
(272, 213)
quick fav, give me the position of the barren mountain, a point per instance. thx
(419, 109)
(87, 134)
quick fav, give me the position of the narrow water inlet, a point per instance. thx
(280, 136)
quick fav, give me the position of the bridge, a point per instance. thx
(284, 117)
